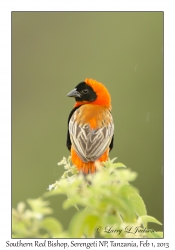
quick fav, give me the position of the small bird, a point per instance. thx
(90, 134)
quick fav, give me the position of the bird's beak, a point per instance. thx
(74, 93)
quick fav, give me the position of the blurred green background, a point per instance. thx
(51, 53)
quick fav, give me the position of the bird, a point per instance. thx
(90, 134)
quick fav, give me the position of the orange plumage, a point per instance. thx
(90, 125)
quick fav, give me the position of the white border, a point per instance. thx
(5, 94)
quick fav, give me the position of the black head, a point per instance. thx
(83, 92)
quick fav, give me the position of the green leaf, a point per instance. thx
(40, 206)
(90, 223)
(127, 175)
(138, 204)
(21, 207)
(53, 192)
(118, 165)
(107, 198)
(123, 206)
(19, 228)
(146, 218)
(83, 224)
(159, 234)
(52, 226)
(154, 234)
(76, 226)
(109, 162)
(73, 201)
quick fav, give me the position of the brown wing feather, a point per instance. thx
(90, 143)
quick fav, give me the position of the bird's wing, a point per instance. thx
(90, 144)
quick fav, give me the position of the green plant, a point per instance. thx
(107, 206)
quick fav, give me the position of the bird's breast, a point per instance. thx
(94, 115)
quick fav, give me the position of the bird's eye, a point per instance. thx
(85, 91)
